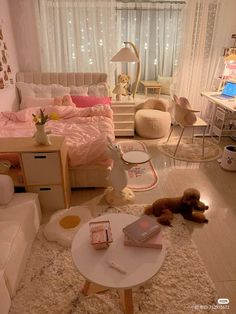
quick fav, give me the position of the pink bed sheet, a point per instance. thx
(85, 130)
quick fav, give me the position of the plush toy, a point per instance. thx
(122, 87)
(188, 205)
(64, 101)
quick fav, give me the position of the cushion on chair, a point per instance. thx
(154, 103)
(152, 123)
(6, 189)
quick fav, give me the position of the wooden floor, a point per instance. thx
(215, 241)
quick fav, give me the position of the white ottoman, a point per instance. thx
(151, 123)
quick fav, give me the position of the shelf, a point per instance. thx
(17, 177)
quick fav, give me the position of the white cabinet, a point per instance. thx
(44, 169)
(123, 115)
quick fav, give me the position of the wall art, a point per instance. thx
(6, 76)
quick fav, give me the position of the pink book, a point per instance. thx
(154, 242)
(142, 229)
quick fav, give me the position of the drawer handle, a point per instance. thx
(45, 189)
(37, 157)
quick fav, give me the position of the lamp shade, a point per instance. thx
(125, 55)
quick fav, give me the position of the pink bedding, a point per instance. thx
(85, 130)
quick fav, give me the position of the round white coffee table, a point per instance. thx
(140, 264)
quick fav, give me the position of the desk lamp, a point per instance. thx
(125, 54)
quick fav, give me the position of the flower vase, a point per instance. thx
(41, 136)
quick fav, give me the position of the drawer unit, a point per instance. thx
(51, 196)
(123, 116)
(123, 109)
(41, 167)
(124, 125)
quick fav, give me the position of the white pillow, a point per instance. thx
(165, 82)
(36, 102)
(33, 90)
(79, 90)
(99, 90)
(6, 189)
(59, 90)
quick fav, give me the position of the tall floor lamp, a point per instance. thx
(125, 54)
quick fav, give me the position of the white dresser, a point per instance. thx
(123, 115)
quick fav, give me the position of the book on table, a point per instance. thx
(154, 242)
(142, 229)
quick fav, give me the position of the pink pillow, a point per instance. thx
(90, 101)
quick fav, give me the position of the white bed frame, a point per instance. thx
(81, 176)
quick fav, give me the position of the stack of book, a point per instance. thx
(144, 232)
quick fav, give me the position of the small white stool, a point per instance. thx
(151, 123)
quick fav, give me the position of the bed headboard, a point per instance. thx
(65, 79)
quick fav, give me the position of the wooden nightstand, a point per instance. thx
(44, 169)
(123, 115)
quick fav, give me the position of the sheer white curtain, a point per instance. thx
(208, 27)
(76, 35)
(155, 29)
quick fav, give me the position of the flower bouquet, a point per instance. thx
(40, 120)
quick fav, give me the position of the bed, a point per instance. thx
(85, 129)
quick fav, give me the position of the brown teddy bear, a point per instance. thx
(122, 87)
(188, 205)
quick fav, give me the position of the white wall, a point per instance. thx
(8, 96)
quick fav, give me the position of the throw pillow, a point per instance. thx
(36, 102)
(32, 90)
(59, 90)
(90, 101)
(165, 82)
(66, 100)
(79, 90)
(98, 90)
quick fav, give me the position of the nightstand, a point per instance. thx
(123, 115)
(43, 169)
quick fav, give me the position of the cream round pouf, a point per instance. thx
(151, 123)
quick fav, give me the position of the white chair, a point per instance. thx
(185, 117)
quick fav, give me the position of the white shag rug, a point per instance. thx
(191, 151)
(51, 284)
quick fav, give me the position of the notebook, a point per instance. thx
(142, 229)
(229, 91)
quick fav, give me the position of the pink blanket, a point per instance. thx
(85, 130)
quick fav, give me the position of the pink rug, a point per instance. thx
(142, 177)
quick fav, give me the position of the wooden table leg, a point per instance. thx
(90, 288)
(145, 91)
(126, 299)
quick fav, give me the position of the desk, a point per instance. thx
(140, 264)
(151, 84)
(223, 120)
